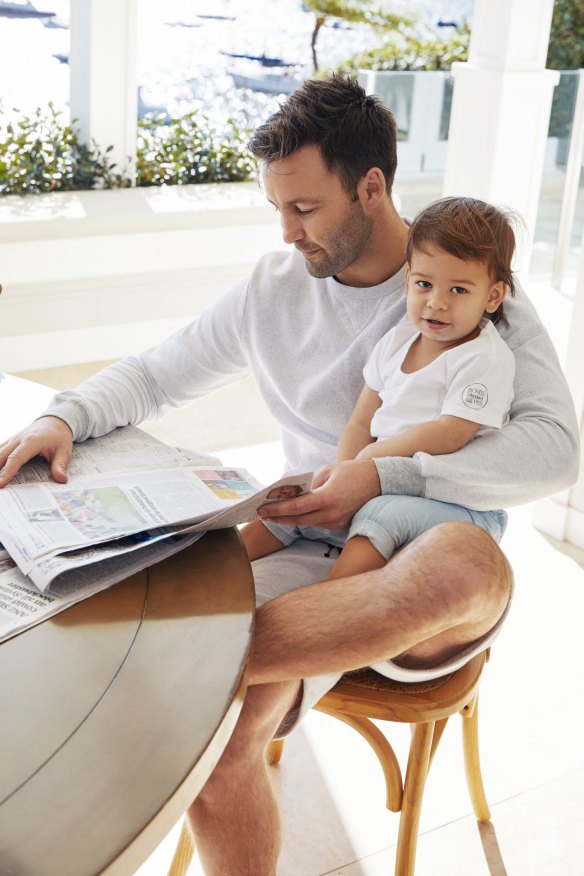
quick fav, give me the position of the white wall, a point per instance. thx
(96, 275)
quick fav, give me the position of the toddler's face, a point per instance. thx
(447, 296)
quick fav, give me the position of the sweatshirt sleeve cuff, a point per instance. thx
(399, 475)
(72, 413)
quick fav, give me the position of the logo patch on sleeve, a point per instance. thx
(475, 395)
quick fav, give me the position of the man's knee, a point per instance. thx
(263, 710)
(465, 562)
(477, 564)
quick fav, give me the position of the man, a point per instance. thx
(304, 324)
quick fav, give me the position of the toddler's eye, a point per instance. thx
(458, 290)
(424, 284)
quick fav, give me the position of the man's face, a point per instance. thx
(317, 215)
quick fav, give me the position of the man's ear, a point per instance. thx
(496, 295)
(371, 188)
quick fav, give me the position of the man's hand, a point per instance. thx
(49, 437)
(338, 491)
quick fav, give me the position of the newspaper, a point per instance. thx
(23, 605)
(130, 502)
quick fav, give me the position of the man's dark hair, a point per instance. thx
(353, 130)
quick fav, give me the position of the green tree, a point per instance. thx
(410, 53)
(365, 12)
(566, 47)
(565, 52)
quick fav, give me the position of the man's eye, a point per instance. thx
(302, 212)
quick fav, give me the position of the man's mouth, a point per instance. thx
(307, 253)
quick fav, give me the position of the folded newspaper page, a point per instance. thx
(130, 502)
(23, 605)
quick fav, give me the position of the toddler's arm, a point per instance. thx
(444, 435)
(356, 435)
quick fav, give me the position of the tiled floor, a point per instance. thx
(329, 783)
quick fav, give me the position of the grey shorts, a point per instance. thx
(305, 562)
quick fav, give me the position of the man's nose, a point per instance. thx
(291, 229)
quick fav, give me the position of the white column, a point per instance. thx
(562, 515)
(501, 108)
(103, 75)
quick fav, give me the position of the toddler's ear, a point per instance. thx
(496, 295)
(408, 272)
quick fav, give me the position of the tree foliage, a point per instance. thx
(405, 42)
(399, 53)
(566, 47)
(565, 52)
(365, 12)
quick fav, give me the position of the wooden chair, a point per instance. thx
(364, 695)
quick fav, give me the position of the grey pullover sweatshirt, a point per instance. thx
(305, 341)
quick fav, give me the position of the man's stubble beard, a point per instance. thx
(345, 246)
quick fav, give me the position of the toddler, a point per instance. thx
(436, 381)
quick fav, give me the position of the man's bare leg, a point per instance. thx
(235, 819)
(437, 595)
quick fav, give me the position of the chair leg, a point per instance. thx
(417, 770)
(183, 853)
(274, 751)
(472, 764)
(439, 728)
(383, 750)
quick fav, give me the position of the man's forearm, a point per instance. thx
(523, 462)
(120, 395)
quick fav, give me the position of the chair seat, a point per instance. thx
(367, 693)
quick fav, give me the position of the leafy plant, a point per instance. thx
(182, 150)
(43, 154)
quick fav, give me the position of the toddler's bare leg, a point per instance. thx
(358, 555)
(258, 540)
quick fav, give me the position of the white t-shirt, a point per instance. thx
(473, 381)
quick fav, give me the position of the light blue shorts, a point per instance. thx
(390, 522)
